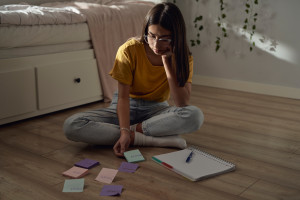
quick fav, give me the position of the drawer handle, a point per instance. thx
(77, 80)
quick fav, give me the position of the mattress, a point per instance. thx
(38, 35)
(44, 49)
(19, 14)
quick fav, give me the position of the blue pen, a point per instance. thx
(189, 157)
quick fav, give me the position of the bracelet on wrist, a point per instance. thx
(125, 129)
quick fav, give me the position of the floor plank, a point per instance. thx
(269, 191)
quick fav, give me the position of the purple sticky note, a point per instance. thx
(87, 163)
(111, 190)
(128, 167)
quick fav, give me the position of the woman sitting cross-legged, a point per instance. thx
(148, 71)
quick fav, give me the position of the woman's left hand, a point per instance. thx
(168, 53)
(166, 57)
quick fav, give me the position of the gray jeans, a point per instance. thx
(101, 126)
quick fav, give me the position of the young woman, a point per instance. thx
(148, 71)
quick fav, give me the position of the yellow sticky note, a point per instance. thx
(106, 175)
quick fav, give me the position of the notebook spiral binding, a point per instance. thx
(208, 155)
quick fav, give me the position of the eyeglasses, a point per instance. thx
(151, 39)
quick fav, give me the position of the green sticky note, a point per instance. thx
(74, 185)
(134, 156)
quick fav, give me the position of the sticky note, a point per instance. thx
(106, 175)
(111, 190)
(134, 156)
(75, 172)
(128, 167)
(74, 185)
(87, 163)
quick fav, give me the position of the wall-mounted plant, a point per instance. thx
(221, 25)
(248, 25)
(199, 27)
(250, 20)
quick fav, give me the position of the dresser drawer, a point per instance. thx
(18, 95)
(67, 82)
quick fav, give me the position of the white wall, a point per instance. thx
(274, 72)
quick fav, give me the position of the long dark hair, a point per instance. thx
(168, 16)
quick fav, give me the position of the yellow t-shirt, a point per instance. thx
(146, 81)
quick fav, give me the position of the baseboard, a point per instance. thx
(245, 86)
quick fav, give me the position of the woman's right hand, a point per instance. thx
(123, 110)
(122, 144)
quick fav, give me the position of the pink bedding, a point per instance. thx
(110, 26)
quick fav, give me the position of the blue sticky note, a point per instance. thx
(134, 156)
(111, 190)
(74, 185)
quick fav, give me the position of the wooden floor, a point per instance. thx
(260, 134)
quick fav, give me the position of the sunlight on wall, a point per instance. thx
(273, 47)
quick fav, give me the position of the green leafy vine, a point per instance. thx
(249, 24)
(221, 25)
(250, 20)
(199, 27)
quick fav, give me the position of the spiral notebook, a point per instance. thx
(202, 165)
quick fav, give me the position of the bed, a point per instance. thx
(57, 55)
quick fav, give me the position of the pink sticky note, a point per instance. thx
(75, 172)
(106, 175)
